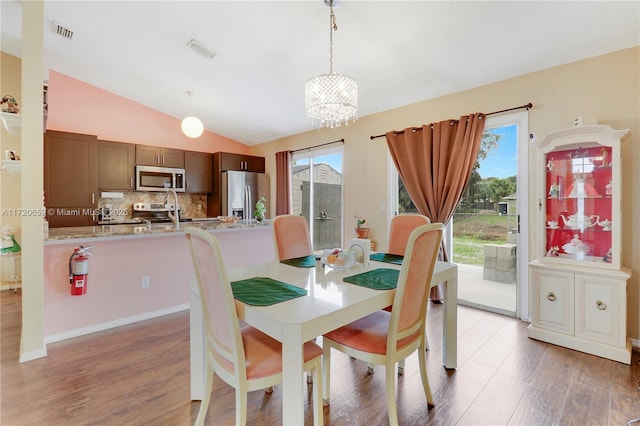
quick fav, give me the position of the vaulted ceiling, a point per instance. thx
(399, 52)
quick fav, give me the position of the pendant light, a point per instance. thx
(192, 126)
(331, 98)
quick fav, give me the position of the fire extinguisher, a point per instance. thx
(79, 270)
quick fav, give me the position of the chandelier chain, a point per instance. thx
(332, 27)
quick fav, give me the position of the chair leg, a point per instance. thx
(269, 390)
(390, 379)
(206, 398)
(370, 369)
(309, 377)
(241, 405)
(317, 394)
(422, 356)
(401, 368)
(326, 374)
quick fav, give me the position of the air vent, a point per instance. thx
(62, 31)
(200, 48)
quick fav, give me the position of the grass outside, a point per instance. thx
(472, 231)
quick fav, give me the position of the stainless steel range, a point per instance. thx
(153, 212)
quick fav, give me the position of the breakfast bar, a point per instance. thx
(136, 272)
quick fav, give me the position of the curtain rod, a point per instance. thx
(527, 106)
(317, 146)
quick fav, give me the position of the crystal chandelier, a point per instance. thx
(331, 98)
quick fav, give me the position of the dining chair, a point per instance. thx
(291, 236)
(384, 337)
(243, 357)
(401, 227)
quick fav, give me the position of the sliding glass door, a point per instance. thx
(316, 186)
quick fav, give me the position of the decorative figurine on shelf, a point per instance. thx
(553, 251)
(607, 257)
(608, 189)
(550, 165)
(604, 154)
(12, 104)
(554, 190)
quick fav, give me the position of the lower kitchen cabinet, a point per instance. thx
(581, 309)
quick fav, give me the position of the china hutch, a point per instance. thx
(578, 285)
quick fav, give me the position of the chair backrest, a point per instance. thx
(218, 306)
(401, 227)
(408, 315)
(291, 236)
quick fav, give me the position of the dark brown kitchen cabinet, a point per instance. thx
(70, 178)
(198, 168)
(223, 161)
(147, 155)
(116, 166)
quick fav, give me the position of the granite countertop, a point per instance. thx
(122, 231)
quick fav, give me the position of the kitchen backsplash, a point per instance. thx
(191, 205)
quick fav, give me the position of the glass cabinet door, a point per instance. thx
(579, 194)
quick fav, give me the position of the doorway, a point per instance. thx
(316, 187)
(492, 213)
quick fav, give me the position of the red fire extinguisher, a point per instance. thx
(79, 270)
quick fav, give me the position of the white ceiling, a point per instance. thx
(399, 52)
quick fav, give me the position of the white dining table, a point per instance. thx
(329, 304)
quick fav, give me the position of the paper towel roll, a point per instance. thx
(362, 250)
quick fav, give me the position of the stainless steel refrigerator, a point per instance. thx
(240, 191)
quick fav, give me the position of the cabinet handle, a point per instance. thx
(163, 160)
(93, 198)
(551, 297)
(157, 158)
(131, 182)
(601, 305)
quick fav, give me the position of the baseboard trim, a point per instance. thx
(30, 356)
(113, 324)
(635, 343)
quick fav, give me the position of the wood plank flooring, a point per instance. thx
(139, 375)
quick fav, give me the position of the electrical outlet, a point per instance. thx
(144, 282)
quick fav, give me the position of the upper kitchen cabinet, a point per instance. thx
(147, 155)
(116, 166)
(70, 178)
(198, 170)
(224, 161)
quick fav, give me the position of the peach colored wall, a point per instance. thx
(78, 107)
(113, 287)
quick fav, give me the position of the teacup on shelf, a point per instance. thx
(552, 224)
(606, 224)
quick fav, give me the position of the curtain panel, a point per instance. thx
(435, 162)
(283, 183)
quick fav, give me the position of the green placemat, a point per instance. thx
(301, 262)
(386, 257)
(263, 291)
(378, 279)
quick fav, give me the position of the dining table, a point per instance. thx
(329, 303)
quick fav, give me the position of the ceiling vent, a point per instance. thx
(200, 48)
(62, 31)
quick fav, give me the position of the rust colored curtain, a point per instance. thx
(435, 162)
(283, 182)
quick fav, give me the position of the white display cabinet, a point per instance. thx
(578, 286)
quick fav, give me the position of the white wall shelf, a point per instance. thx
(12, 166)
(11, 122)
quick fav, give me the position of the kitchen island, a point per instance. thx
(124, 259)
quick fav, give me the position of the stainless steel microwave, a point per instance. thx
(152, 178)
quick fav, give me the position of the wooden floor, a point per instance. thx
(139, 375)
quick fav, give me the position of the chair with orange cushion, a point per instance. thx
(243, 357)
(291, 236)
(401, 227)
(386, 338)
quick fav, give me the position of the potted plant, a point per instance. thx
(361, 231)
(260, 209)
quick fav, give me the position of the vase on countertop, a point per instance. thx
(362, 232)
